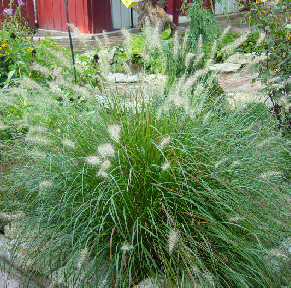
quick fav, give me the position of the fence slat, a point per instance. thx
(27, 11)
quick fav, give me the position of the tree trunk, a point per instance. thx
(151, 14)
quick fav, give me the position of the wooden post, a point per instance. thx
(176, 12)
(209, 5)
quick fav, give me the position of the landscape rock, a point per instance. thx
(121, 78)
(240, 58)
(225, 67)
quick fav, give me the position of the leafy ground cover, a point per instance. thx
(174, 185)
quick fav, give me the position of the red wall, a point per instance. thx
(171, 5)
(90, 16)
(27, 11)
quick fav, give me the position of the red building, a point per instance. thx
(90, 16)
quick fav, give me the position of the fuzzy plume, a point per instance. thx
(93, 160)
(106, 150)
(173, 239)
(114, 132)
(82, 257)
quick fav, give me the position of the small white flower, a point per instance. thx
(106, 150)
(114, 132)
(93, 160)
(173, 239)
(68, 143)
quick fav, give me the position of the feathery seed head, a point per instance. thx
(188, 59)
(106, 39)
(228, 49)
(93, 160)
(43, 185)
(198, 58)
(114, 132)
(82, 257)
(106, 150)
(36, 129)
(165, 165)
(127, 37)
(37, 140)
(271, 174)
(55, 88)
(208, 278)
(126, 247)
(200, 44)
(28, 83)
(37, 154)
(236, 219)
(103, 169)
(165, 141)
(11, 216)
(68, 143)
(222, 35)
(176, 45)
(261, 39)
(173, 239)
(185, 40)
(39, 68)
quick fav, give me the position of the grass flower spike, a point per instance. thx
(106, 150)
(173, 239)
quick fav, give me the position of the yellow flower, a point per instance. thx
(29, 49)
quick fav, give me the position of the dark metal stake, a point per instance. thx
(71, 41)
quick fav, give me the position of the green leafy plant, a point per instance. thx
(274, 21)
(179, 189)
(202, 22)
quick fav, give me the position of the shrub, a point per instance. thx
(273, 20)
(180, 188)
(202, 22)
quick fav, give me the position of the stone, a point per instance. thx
(240, 58)
(8, 281)
(121, 78)
(225, 67)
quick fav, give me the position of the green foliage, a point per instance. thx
(199, 179)
(171, 184)
(202, 22)
(274, 21)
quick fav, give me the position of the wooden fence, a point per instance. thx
(26, 12)
(90, 16)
